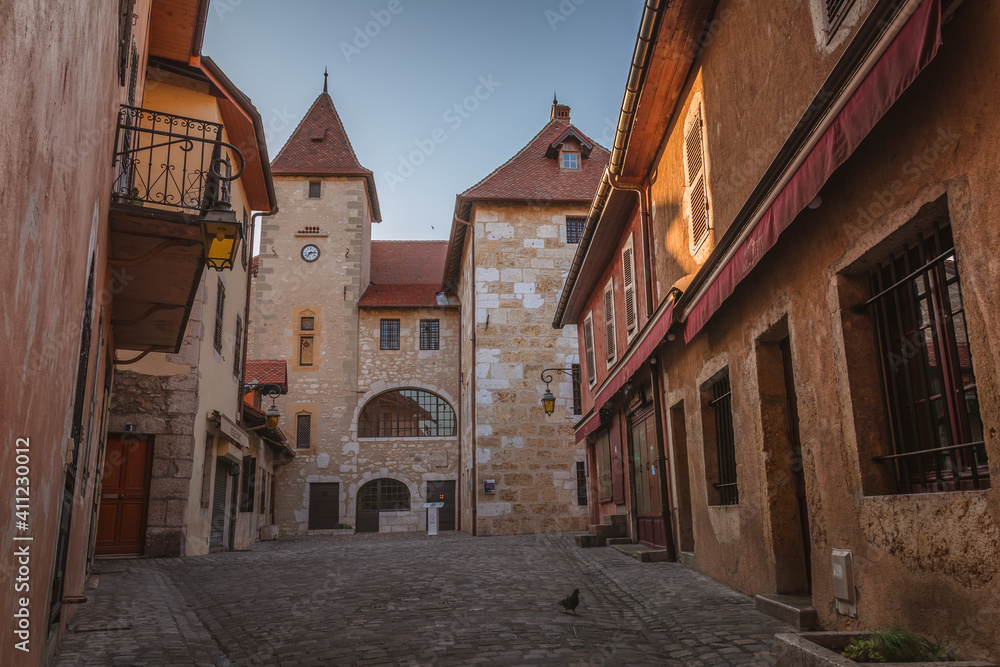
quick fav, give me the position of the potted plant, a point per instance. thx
(887, 647)
(343, 529)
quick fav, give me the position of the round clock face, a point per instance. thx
(310, 253)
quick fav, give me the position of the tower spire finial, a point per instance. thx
(554, 100)
(326, 75)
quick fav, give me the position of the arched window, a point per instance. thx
(406, 413)
(383, 495)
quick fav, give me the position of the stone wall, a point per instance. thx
(521, 260)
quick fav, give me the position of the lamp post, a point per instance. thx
(548, 399)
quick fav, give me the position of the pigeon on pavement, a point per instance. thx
(569, 604)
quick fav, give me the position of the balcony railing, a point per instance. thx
(175, 161)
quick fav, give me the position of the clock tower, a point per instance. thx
(314, 265)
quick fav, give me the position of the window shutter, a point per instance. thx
(588, 346)
(609, 321)
(694, 153)
(237, 356)
(220, 310)
(628, 272)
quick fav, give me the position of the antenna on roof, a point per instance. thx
(326, 75)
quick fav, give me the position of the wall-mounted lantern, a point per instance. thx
(548, 399)
(221, 233)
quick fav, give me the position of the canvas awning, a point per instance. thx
(912, 49)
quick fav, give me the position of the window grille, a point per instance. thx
(389, 336)
(928, 384)
(430, 335)
(220, 309)
(315, 189)
(574, 228)
(577, 397)
(609, 322)
(725, 443)
(581, 483)
(406, 413)
(383, 495)
(588, 345)
(570, 161)
(694, 160)
(307, 324)
(303, 431)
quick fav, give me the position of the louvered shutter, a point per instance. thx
(609, 321)
(628, 281)
(694, 152)
(588, 346)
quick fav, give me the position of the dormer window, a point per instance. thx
(570, 160)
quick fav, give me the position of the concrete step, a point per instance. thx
(588, 541)
(795, 610)
(642, 553)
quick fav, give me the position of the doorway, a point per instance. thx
(443, 492)
(217, 536)
(324, 505)
(121, 524)
(682, 480)
(646, 479)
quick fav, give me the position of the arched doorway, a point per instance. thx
(379, 495)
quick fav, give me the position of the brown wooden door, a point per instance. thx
(443, 492)
(324, 505)
(646, 480)
(121, 524)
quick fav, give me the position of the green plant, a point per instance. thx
(894, 645)
(342, 526)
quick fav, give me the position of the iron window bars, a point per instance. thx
(384, 495)
(406, 413)
(389, 335)
(725, 442)
(925, 368)
(430, 335)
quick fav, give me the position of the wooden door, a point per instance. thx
(324, 505)
(121, 524)
(367, 519)
(646, 480)
(443, 492)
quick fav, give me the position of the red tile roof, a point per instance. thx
(267, 371)
(533, 176)
(319, 147)
(405, 274)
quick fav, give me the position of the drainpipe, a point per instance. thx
(472, 379)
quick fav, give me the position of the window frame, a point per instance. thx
(298, 431)
(391, 496)
(220, 312)
(834, 13)
(610, 330)
(628, 286)
(569, 156)
(581, 484)
(719, 440)
(577, 390)
(588, 349)
(238, 347)
(696, 182)
(430, 334)
(386, 333)
(577, 223)
(377, 418)
(317, 188)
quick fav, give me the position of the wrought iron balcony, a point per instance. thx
(173, 161)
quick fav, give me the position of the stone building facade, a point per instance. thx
(512, 241)
(817, 372)
(367, 419)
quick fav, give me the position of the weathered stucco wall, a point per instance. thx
(521, 261)
(926, 562)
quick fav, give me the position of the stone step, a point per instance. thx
(642, 553)
(619, 540)
(795, 610)
(588, 541)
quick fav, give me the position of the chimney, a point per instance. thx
(559, 111)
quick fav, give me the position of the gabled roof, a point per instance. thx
(405, 274)
(532, 175)
(319, 147)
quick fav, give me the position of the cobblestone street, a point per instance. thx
(410, 599)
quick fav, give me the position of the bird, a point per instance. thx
(570, 603)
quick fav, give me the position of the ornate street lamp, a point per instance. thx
(272, 415)
(548, 399)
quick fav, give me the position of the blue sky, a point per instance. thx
(434, 94)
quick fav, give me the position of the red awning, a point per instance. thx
(915, 45)
(588, 425)
(648, 341)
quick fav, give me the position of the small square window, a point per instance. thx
(574, 228)
(306, 324)
(314, 189)
(570, 160)
(389, 335)
(430, 338)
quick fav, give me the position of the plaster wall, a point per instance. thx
(926, 562)
(521, 261)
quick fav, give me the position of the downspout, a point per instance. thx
(472, 380)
